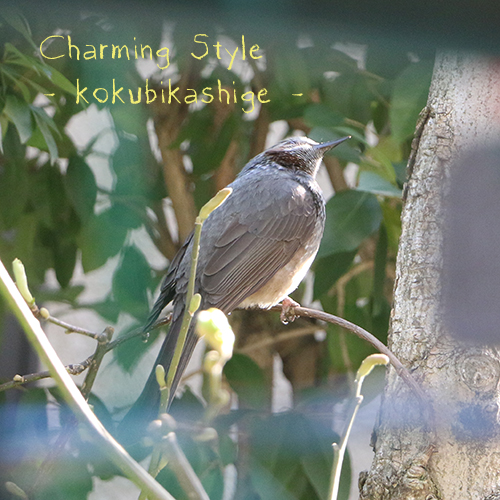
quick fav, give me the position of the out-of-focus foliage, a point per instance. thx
(56, 213)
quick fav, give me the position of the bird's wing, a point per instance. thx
(167, 291)
(255, 246)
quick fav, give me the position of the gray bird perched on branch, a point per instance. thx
(254, 250)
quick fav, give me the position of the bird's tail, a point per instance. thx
(146, 407)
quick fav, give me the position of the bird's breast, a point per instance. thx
(285, 281)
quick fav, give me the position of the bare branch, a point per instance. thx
(100, 351)
(168, 123)
(335, 173)
(19, 380)
(181, 467)
(68, 327)
(365, 335)
(269, 341)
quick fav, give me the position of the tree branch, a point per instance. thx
(70, 392)
(365, 335)
(168, 122)
(335, 173)
(19, 380)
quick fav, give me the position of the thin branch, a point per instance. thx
(344, 279)
(289, 334)
(78, 368)
(70, 328)
(168, 122)
(181, 467)
(192, 304)
(138, 332)
(97, 358)
(19, 380)
(71, 394)
(336, 173)
(365, 335)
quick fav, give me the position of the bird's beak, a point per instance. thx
(326, 146)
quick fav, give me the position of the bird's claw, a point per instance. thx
(288, 310)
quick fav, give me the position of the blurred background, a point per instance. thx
(96, 197)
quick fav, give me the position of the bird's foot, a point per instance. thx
(288, 310)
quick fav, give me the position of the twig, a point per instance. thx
(289, 334)
(181, 467)
(18, 380)
(339, 451)
(363, 334)
(71, 394)
(191, 306)
(78, 368)
(70, 328)
(100, 351)
(335, 173)
(138, 332)
(344, 279)
(188, 309)
(168, 122)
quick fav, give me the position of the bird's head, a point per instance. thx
(301, 153)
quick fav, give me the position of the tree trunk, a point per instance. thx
(455, 455)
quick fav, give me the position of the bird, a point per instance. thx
(254, 251)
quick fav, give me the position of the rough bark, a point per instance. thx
(459, 457)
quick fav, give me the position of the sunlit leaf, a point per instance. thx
(329, 269)
(351, 216)
(409, 98)
(373, 183)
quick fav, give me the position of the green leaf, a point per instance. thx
(386, 60)
(65, 252)
(19, 23)
(318, 462)
(247, 379)
(131, 281)
(81, 187)
(345, 151)
(60, 80)
(319, 115)
(351, 216)
(70, 480)
(19, 113)
(129, 353)
(351, 94)
(100, 239)
(267, 486)
(373, 183)
(12, 55)
(43, 121)
(14, 192)
(392, 222)
(68, 295)
(328, 270)
(108, 309)
(409, 97)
